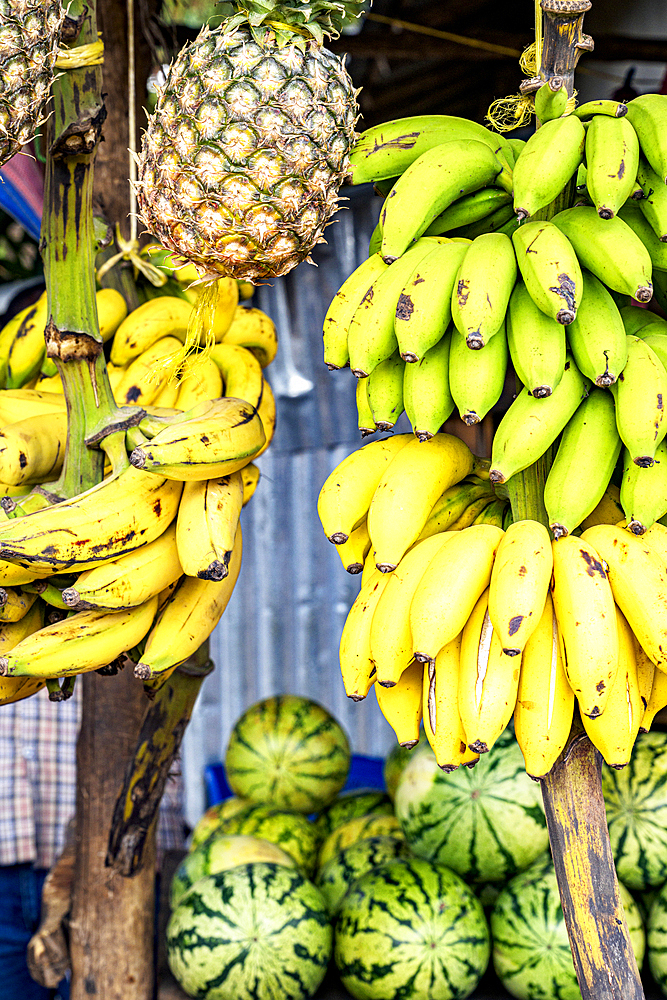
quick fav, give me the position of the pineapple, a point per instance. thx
(242, 160)
(29, 34)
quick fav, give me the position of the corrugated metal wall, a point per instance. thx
(282, 627)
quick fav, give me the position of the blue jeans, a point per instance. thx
(20, 901)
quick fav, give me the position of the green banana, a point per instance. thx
(375, 241)
(496, 222)
(654, 337)
(531, 425)
(597, 336)
(546, 163)
(449, 507)
(424, 307)
(430, 184)
(575, 486)
(644, 491)
(385, 392)
(551, 100)
(648, 115)
(469, 209)
(387, 150)
(365, 421)
(660, 288)
(476, 378)
(550, 269)
(516, 146)
(342, 309)
(633, 217)
(483, 287)
(507, 517)
(614, 109)
(635, 319)
(426, 396)
(612, 156)
(371, 337)
(536, 342)
(610, 249)
(493, 513)
(640, 394)
(653, 205)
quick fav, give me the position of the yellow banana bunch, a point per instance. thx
(33, 449)
(208, 516)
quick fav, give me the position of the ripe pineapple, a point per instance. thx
(242, 160)
(29, 33)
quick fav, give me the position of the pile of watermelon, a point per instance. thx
(394, 891)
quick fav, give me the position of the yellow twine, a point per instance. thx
(199, 337)
(91, 54)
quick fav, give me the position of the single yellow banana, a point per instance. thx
(14, 604)
(250, 476)
(28, 347)
(353, 552)
(471, 513)
(586, 617)
(646, 671)
(241, 373)
(401, 705)
(267, 414)
(7, 335)
(164, 316)
(407, 491)
(488, 681)
(166, 397)
(657, 699)
(520, 584)
(208, 516)
(445, 596)
(32, 449)
(20, 404)
(390, 634)
(608, 511)
(200, 379)
(346, 494)
(12, 575)
(143, 379)
(614, 732)
(226, 302)
(54, 384)
(84, 641)
(188, 618)
(128, 581)
(117, 516)
(452, 505)
(254, 330)
(356, 664)
(545, 701)
(442, 721)
(111, 311)
(11, 634)
(638, 579)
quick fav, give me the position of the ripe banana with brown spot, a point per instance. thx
(164, 316)
(208, 516)
(520, 584)
(143, 379)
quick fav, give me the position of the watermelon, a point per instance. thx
(349, 805)
(288, 752)
(636, 803)
(255, 932)
(358, 829)
(656, 927)
(219, 853)
(338, 874)
(212, 818)
(531, 951)
(291, 831)
(411, 929)
(396, 760)
(487, 823)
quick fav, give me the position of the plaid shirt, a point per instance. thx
(38, 781)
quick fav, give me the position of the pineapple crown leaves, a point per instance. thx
(290, 22)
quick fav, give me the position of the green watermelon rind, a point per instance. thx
(342, 871)
(255, 932)
(359, 828)
(349, 805)
(292, 831)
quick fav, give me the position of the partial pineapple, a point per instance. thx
(242, 160)
(29, 35)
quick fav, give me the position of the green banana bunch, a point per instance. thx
(597, 336)
(648, 116)
(207, 442)
(640, 394)
(546, 163)
(385, 392)
(634, 320)
(387, 150)
(426, 395)
(653, 205)
(537, 344)
(469, 209)
(531, 425)
(551, 100)
(482, 288)
(342, 309)
(610, 249)
(550, 269)
(644, 491)
(430, 184)
(476, 378)
(633, 217)
(575, 486)
(612, 158)
(424, 307)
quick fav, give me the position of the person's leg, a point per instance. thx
(20, 897)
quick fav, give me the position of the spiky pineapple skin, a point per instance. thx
(243, 158)
(29, 34)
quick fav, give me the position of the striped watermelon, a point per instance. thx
(254, 932)
(219, 853)
(411, 930)
(212, 818)
(291, 831)
(288, 751)
(487, 823)
(656, 927)
(359, 828)
(636, 803)
(349, 805)
(531, 951)
(338, 874)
